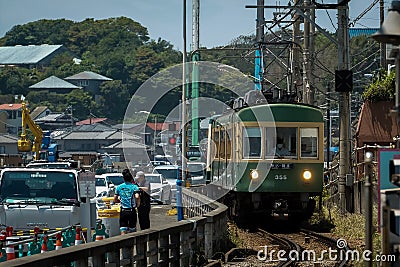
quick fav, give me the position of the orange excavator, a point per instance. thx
(25, 145)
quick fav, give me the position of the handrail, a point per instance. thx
(177, 243)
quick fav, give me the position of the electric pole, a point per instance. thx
(296, 50)
(195, 72)
(258, 61)
(312, 56)
(382, 45)
(306, 56)
(344, 106)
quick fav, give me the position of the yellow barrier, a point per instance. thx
(108, 213)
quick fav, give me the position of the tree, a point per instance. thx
(382, 88)
(16, 80)
(116, 95)
(81, 101)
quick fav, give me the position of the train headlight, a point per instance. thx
(254, 174)
(307, 175)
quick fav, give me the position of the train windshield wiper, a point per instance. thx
(13, 201)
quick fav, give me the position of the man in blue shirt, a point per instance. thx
(127, 194)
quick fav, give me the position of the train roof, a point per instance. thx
(282, 112)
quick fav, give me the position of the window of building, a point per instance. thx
(83, 83)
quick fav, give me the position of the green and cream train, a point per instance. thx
(269, 158)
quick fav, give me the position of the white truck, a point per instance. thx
(44, 198)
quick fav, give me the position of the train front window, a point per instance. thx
(251, 142)
(285, 145)
(309, 142)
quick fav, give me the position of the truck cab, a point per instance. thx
(39, 197)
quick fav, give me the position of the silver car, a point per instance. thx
(160, 189)
(171, 174)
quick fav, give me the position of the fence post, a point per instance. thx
(141, 251)
(368, 203)
(185, 244)
(208, 237)
(175, 248)
(153, 250)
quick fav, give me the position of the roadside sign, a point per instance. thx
(87, 184)
(384, 157)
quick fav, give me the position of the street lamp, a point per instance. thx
(390, 33)
(155, 127)
(390, 28)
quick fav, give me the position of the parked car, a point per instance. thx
(115, 178)
(197, 173)
(106, 184)
(103, 187)
(158, 163)
(160, 188)
(171, 174)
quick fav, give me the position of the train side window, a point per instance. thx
(217, 143)
(222, 143)
(228, 143)
(251, 142)
(309, 142)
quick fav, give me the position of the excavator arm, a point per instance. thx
(24, 145)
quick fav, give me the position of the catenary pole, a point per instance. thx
(195, 72)
(344, 106)
(180, 182)
(382, 44)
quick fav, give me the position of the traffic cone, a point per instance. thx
(10, 251)
(78, 239)
(58, 241)
(3, 235)
(99, 237)
(44, 244)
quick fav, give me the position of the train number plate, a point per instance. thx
(282, 166)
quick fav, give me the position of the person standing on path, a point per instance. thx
(144, 209)
(127, 194)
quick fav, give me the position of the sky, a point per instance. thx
(220, 20)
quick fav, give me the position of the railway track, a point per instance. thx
(297, 248)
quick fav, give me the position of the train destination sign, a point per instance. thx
(280, 166)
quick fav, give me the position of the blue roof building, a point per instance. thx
(29, 56)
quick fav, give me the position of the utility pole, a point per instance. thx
(258, 61)
(296, 50)
(179, 183)
(382, 45)
(344, 106)
(306, 56)
(195, 71)
(312, 56)
(328, 126)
